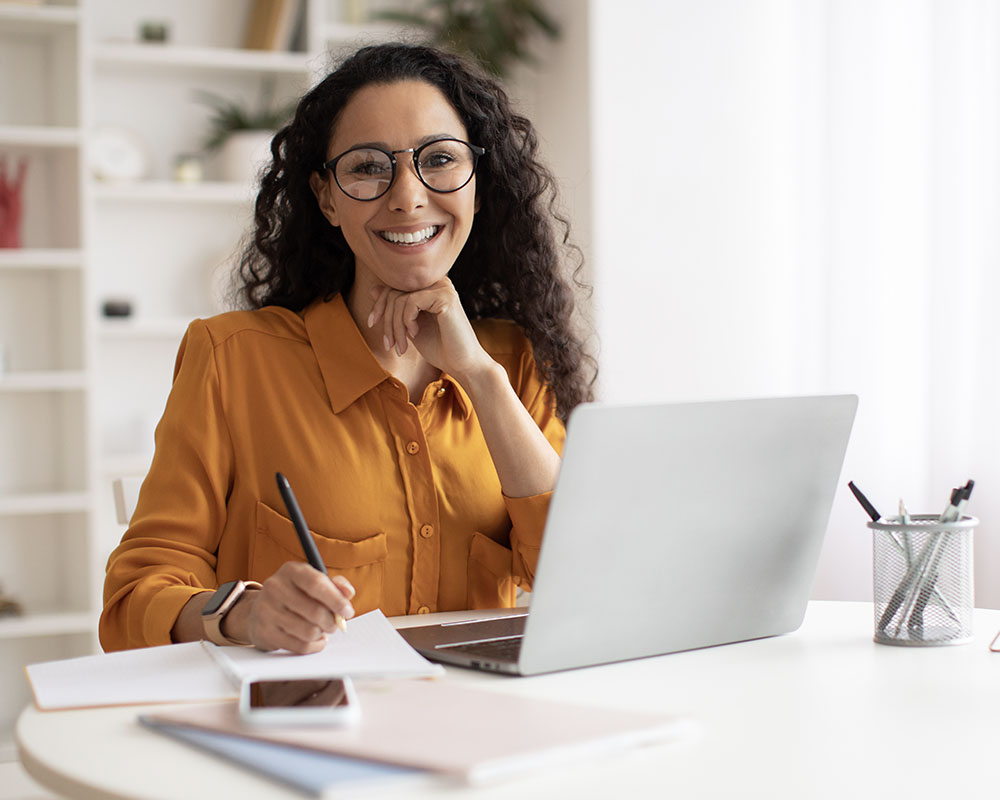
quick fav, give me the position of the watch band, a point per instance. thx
(220, 604)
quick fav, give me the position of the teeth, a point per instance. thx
(410, 238)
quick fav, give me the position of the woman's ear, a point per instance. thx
(320, 186)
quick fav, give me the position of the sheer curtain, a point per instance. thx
(818, 213)
(909, 134)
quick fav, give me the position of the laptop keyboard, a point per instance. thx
(503, 649)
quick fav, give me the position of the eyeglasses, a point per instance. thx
(443, 165)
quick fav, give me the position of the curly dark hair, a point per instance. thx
(510, 266)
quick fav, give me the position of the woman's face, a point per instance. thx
(398, 116)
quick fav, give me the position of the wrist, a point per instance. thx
(236, 624)
(484, 377)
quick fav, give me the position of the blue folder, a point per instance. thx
(308, 771)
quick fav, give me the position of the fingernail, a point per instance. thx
(386, 342)
(371, 319)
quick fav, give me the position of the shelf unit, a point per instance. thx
(81, 393)
(46, 494)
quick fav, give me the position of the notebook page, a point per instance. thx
(370, 647)
(165, 674)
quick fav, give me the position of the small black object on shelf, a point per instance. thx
(116, 307)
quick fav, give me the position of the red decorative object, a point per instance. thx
(10, 203)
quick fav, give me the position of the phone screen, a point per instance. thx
(299, 693)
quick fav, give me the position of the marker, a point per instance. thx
(956, 504)
(865, 503)
(305, 538)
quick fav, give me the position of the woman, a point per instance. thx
(407, 363)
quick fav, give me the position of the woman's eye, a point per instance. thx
(368, 168)
(438, 160)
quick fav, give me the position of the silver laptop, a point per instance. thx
(672, 527)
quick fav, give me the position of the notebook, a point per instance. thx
(458, 731)
(672, 527)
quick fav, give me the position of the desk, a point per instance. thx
(820, 713)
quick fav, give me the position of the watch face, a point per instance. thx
(217, 599)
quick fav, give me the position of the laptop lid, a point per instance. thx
(678, 526)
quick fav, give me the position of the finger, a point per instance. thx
(272, 633)
(320, 588)
(346, 588)
(392, 298)
(273, 625)
(410, 315)
(378, 307)
(398, 323)
(308, 594)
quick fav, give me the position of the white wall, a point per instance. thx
(783, 191)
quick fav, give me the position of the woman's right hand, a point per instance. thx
(293, 611)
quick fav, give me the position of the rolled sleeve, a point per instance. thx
(527, 515)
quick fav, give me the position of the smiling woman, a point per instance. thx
(406, 358)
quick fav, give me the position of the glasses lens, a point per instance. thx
(364, 174)
(446, 165)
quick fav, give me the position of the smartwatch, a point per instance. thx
(218, 606)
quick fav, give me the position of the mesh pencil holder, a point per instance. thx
(923, 580)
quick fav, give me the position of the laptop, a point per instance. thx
(672, 527)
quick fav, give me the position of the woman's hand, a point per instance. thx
(434, 321)
(294, 610)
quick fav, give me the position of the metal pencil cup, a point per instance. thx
(923, 580)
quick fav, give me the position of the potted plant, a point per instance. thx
(241, 134)
(494, 32)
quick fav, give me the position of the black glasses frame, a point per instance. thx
(477, 153)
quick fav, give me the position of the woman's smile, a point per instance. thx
(408, 238)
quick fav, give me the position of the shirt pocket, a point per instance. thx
(362, 562)
(490, 574)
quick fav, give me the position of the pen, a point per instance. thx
(865, 503)
(305, 538)
(953, 513)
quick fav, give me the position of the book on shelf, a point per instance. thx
(274, 24)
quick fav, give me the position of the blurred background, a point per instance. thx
(775, 197)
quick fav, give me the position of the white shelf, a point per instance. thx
(40, 136)
(44, 503)
(33, 20)
(57, 624)
(207, 192)
(43, 381)
(40, 258)
(180, 57)
(130, 328)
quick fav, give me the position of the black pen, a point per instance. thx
(865, 503)
(305, 538)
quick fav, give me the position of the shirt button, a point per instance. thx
(440, 391)
(423, 610)
(413, 448)
(427, 531)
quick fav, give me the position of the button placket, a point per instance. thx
(422, 505)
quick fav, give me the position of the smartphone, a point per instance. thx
(299, 701)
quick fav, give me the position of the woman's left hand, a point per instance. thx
(434, 321)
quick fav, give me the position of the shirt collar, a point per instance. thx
(348, 367)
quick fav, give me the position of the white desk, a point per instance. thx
(822, 712)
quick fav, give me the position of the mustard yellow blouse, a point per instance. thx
(402, 499)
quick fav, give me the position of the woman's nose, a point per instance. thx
(407, 191)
